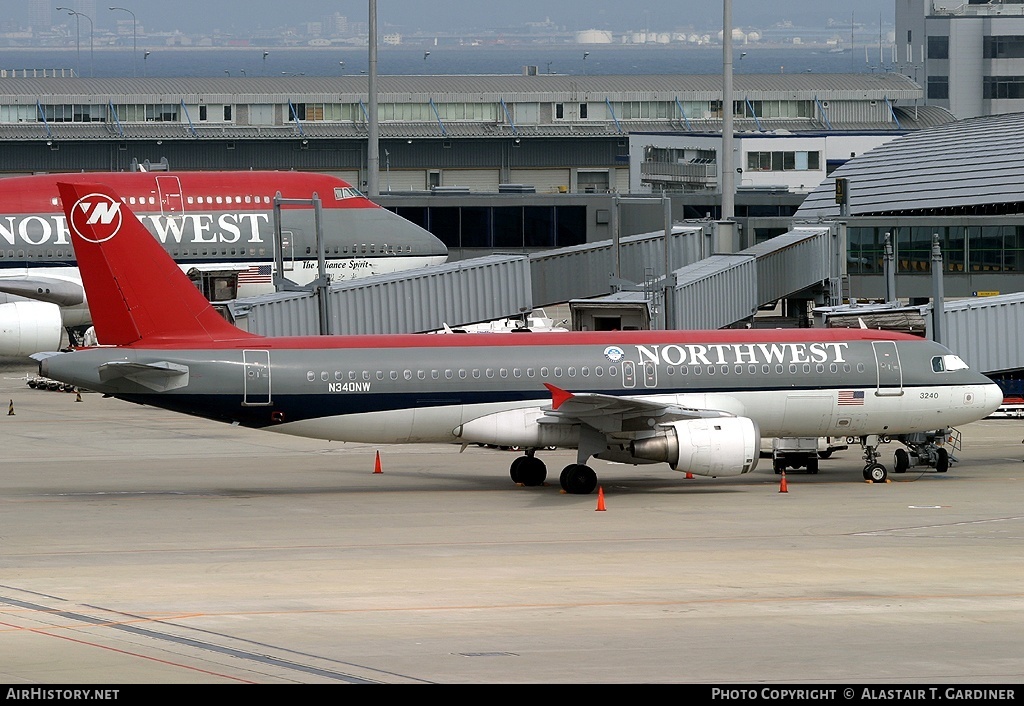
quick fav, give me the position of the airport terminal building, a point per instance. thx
(536, 161)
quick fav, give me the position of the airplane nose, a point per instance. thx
(992, 398)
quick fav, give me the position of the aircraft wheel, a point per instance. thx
(578, 479)
(876, 473)
(812, 466)
(515, 470)
(901, 461)
(941, 460)
(532, 471)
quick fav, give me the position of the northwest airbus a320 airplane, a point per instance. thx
(218, 226)
(696, 400)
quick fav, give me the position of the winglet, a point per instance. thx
(134, 288)
(558, 395)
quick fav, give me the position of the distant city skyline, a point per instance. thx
(444, 16)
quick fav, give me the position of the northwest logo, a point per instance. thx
(96, 218)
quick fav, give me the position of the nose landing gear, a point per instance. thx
(873, 470)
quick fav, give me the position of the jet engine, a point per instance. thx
(29, 327)
(720, 446)
(517, 427)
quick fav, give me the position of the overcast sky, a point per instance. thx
(438, 15)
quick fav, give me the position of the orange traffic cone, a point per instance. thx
(376, 464)
(78, 395)
(782, 485)
(600, 499)
(10, 410)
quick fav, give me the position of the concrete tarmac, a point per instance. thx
(143, 547)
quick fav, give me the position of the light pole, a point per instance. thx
(78, 38)
(78, 14)
(144, 62)
(585, 55)
(135, 45)
(265, 54)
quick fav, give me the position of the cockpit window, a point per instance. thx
(346, 192)
(948, 363)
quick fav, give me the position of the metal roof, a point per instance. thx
(972, 166)
(461, 87)
(543, 88)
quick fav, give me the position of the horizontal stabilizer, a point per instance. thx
(161, 376)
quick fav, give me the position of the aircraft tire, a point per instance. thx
(578, 479)
(515, 470)
(876, 473)
(900, 461)
(941, 460)
(532, 471)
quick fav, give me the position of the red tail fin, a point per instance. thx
(134, 289)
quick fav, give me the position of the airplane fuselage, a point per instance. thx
(418, 388)
(211, 221)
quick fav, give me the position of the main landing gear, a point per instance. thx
(923, 449)
(576, 478)
(926, 449)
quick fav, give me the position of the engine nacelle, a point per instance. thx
(29, 327)
(517, 427)
(720, 446)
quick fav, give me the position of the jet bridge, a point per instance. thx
(703, 290)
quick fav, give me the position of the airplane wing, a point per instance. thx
(45, 289)
(160, 376)
(613, 414)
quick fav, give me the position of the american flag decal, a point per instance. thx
(851, 397)
(255, 275)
